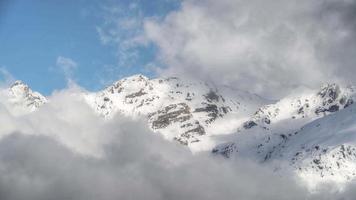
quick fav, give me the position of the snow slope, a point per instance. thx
(324, 150)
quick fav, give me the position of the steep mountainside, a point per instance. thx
(188, 112)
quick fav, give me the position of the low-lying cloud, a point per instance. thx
(65, 151)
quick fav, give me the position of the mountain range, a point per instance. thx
(310, 132)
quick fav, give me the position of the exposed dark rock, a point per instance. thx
(301, 110)
(267, 121)
(181, 141)
(172, 113)
(348, 103)
(284, 137)
(249, 124)
(190, 135)
(199, 130)
(212, 111)
(333, 108)
(330, 91)
(136, 94)
(316, 161)
(226, 109)
(225, 150)
(212, 97)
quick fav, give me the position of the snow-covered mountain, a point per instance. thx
(323, 150)
(185, 111)
(189, 112)
(20, 99)
(310, 132)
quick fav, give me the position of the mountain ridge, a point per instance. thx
(304, 129)
(181, 110)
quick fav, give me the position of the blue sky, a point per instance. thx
(35, 34)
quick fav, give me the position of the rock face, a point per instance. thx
(178, 113)
(21, 99)
(184, 111)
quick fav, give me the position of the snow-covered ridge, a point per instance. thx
(189, 112)
(291, 113)
(330, 98)
(313, 132)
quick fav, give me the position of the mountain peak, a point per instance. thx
(19, 89)
(17, 83)
(137, 77)
(20, 94)
(182, 110)
(331, 90)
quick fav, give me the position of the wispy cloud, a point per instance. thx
(67, 65)
(6, 77)
(122, 27)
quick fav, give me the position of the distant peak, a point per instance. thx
(19, 87)
(18, 83)
(329, 86)
(333, 90)
(138, 77)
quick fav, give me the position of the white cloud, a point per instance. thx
(67, 65)
(6, 77)
(122, 28)
(267, 47)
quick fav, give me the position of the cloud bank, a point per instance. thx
(267, 47)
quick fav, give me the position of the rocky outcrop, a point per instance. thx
(170, 114)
